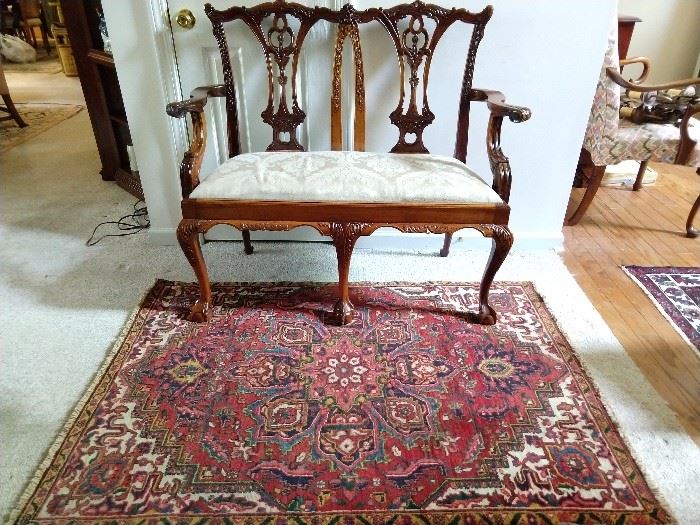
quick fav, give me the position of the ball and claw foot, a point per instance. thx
(343, 312)
(486, 315)
(200, 312)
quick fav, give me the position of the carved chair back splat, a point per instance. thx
(415, 30)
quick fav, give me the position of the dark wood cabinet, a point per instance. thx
(103, 97)
(625, 28)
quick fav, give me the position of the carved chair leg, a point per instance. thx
(344, 237)
(501, 242)
(446, 245)
(12, 110)
(247, 246)
(689, 230)
(188, 236)
(640, 175)
(593, 185)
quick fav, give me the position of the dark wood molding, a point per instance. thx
(97, 73)
(625, 28)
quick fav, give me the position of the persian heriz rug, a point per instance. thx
(39, 118)
(676, 293)
(408, 415)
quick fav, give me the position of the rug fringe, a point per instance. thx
(31, 486)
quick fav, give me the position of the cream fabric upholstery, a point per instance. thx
(348, 176)
(694, 132)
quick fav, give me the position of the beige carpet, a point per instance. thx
(79, 297)
(43, 64)
(40, 117)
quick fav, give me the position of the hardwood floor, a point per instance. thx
(645, 228)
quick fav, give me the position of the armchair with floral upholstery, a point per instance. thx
(610, 139)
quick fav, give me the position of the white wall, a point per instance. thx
(139, 32)
(532, 51)
(669, 35)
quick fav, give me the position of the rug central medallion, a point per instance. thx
(410, 409)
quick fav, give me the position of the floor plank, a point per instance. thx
(644, 227)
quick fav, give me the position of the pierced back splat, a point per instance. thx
(280, 45)
(347, 28)
(415, 47)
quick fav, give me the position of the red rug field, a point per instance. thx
(409, 415)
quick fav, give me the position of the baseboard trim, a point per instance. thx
(162, 236)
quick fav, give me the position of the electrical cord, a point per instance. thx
(130, 224)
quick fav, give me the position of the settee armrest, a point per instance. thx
(496, 102)
(192, 160)
(198, 99)
(498, 108)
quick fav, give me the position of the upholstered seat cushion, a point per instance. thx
(655, 142)
(347, 176)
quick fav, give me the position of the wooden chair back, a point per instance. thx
(415, 30)
(30, 9)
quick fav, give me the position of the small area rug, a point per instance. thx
(39, 118)
(44, 64)
(676, 293)
(410, 414)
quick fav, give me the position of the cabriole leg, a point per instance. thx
(247, 246)
(446, 245)
(591, 189)
(344, 237)
(502, 240)
(188, 236)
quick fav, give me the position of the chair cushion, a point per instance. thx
(655, 142)
(694, 132)
(605, 111)
(348, 176)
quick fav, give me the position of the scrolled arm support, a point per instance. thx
(614, 75)
(196, 102)
(646, 66)
(192, 160)
(496, 102)
(500, 166)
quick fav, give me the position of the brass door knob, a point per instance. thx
(185, 19)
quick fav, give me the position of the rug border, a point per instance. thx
(626, 267)
(40, 471)
(30, 135)
(648, 477)
(528, 285)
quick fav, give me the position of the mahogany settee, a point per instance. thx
(346, 194)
